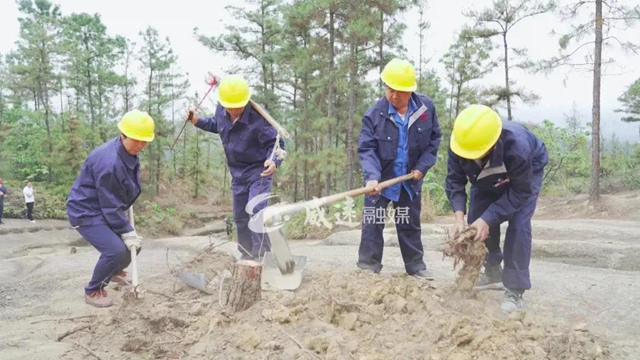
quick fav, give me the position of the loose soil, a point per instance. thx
(333, 316)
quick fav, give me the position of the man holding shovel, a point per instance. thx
(400, 134)
(504, 162)
(108, 185)
(249, 142)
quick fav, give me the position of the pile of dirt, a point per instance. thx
(334, 315)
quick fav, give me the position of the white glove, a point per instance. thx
(132, 239)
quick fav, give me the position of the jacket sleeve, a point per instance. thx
(367, 146)
(268, 136)
(110, 195)
(428, 157)
(208, 124)
(455, 184)
(520, 174)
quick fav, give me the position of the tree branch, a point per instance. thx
(526, 16)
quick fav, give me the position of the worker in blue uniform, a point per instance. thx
(504, 162)
(400, 135)
(108, 184)
(249, 143)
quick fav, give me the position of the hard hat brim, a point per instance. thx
(405, 89)
(472, 154)
(398, 88)
(136, 137)
(230, 105)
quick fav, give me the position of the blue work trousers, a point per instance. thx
(250, 243)
(114, 255)
(407, 221)
(518, 239)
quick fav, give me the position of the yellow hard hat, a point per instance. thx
(475, 131)
(234, 92)
(137, 125)
(399, 75)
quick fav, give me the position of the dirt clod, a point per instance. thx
(463, 248)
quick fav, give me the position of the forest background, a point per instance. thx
(70, 69)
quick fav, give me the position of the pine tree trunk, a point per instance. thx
(245, 288)
(507, 87)
(353, 74)
(331, 95)
(594, 192)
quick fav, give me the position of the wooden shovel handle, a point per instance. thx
(277, 211)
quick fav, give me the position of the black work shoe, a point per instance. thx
(423, 274)
(491, 279)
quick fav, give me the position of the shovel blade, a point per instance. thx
(280, 250)
(273, 278)
(196, 281)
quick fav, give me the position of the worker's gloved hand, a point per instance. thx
(132, 239)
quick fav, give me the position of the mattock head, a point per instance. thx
(135, 293)
(212, 80)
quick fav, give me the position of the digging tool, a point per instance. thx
(213, 83)
(281, 130)
(137, 293)
(195, 280)
(288, 276)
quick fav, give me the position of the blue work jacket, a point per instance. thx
(400, 165)
(379, 137)
(108, 184)
(506, 174)
(4, 191)
(248, 142)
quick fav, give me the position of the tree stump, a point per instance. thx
(245, 289)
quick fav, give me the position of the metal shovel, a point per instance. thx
(137, 293)
(288, 275)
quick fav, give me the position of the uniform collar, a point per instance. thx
(130, 160)
(244, 117)
(496, 156)
(412, 107)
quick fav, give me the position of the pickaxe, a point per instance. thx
(212, 82)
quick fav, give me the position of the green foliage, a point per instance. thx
(49, 201)
(155, 219)
(568, 157)
(497, 21)
(23, 146)
(467, 60)
(630, 100)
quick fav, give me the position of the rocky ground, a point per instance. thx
(583, 305)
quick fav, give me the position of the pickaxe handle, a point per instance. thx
(283, 132)
(213, 83)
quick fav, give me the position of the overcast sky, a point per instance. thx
(176, 19)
